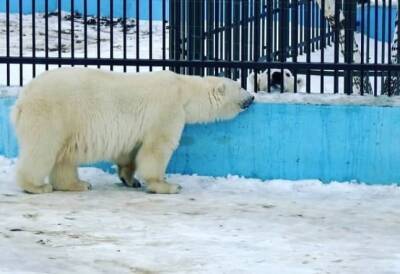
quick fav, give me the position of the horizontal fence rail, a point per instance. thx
(328, 46)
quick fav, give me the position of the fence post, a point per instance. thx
(257, 6)
(245, 39)
(175, 42)
(228, 34)
(194, 33)
(294, 36)
(210, 35)
(236, 35)
(269, 7)
(392, 81)
(283, 29)
(349, 9)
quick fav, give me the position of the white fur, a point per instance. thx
(70, 116)
(263, 81)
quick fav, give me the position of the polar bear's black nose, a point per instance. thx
(247, 103)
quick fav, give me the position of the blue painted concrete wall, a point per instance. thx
(284, 141)
(92, 7)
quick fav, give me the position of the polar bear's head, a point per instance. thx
(274, 79)
(217, 98)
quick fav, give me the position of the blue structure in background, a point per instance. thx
(283, 141)
(381, 24)
(92, 7)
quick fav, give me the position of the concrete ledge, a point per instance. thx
(292, 140)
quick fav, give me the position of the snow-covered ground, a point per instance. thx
(216, 225)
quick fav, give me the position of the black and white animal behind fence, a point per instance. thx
(332, 46)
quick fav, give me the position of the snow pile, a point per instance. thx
(326, 99)
(216, 225)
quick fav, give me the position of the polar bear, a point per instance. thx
(70, 116)
(275, 79)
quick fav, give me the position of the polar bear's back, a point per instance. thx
(86, 81)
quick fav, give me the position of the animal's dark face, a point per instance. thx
(276, 79)
(285, 77)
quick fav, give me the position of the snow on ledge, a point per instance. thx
(9, 91)
(327, 99)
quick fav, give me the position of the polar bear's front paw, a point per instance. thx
(163, 188)
(78, 186)
(47, 188)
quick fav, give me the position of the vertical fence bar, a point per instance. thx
(307, 42)
(283, 31)
(362, 43)
(228, 35)
(150, 32)
(336, 53)
(301, 27)
(46, 31)
(21, 42)
(191, 30)
(389, 45)
(59, 44)
(72, 31)
(201, 12)
(397, 58)
(163, 30)
(256, 39)
(312, 30)
(178, 33)
(216, 34)
(294, 38)
(137, 32)
(210, 36)
(383, 20)
(98, 31)
(270, 7)
(183, 28)
(33, 37)
(236, 35)
(111, 32)
(275, 24)
(349, 9)
(376, 46)
(245, 40)
(8, 41)
(172, 31)
(323, 41)
(124, 29)
(85, 29)
(368, 29)
(319, 22)
(263, 48)
(251, 45)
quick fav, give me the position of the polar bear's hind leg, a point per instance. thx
(127, 167)
(36, 160)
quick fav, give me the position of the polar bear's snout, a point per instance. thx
(247, 102)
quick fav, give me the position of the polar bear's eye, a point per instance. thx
(287, 74)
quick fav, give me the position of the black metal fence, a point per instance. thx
(348, 46)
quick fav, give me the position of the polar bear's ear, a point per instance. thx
(220, 89)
